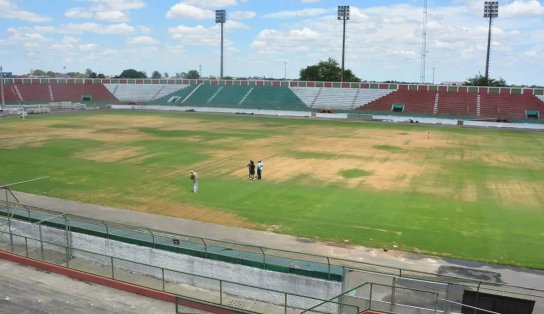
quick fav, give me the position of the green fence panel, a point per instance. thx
(432, 88)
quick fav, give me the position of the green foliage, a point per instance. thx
(38, 72)
(328, 70)
(156, 75)
(131, 73)
(480, 80)
(192, 75)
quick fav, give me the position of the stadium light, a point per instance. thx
(491, 11)
(343, 15)
(221, 18)
(2, 86)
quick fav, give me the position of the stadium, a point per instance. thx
(375, 197)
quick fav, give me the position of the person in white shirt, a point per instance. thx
(194, 177)
(260, 167)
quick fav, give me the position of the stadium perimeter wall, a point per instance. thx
(339, 116)
(290, 283)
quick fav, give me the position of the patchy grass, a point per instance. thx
(355, 173)
(468, 193)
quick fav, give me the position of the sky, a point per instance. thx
(274, 38)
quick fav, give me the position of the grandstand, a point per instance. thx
(470, 102)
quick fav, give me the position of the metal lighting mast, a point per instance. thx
(491, 11)
(221, 18)
(2, 86)
(423, 43)
(343, 15)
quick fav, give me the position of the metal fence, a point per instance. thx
(255, 256)
(244, 297)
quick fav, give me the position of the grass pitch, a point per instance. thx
(467, 193)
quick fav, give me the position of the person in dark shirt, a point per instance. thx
(251, 167)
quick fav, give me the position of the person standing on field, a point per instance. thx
(194, 177)
(251, 167)
(260, 167)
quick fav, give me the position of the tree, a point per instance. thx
(327, 71)
(156, 75)
(88, 72)
(165, 75)
(101, 75)
(480, 80)
(192, 75)
(38, 72)
(51, 74)
(92, 75)
(131, 73)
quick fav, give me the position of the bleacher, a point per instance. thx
(77, 92)
(461, 103)
(276, 98)
(29, 92)
(338, 98)
(414, 101)
(253, 97)
(176, 97)
(507, 105)
(142, 92)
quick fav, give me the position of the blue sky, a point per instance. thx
(263, 38)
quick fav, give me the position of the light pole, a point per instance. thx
(343, 15)
(221, 18)
(200, 71)
(284, 70)
(491, 11)
(2, 85)
(423, 43)
(433, 75)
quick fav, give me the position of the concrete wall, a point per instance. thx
(216, 110)
(189, 265)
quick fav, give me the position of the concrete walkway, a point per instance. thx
(510, 275)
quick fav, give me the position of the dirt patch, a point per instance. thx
(194, 212)
(515, 193)
(111, 155)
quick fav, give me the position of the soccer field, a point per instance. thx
(475, 194)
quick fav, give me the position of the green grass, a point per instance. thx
(354, 173)
(456, 207)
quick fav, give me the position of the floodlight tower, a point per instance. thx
(423, 43)
(343, 15)
(221, 18)
(491, 11)
(2, 86)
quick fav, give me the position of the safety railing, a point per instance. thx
(248, 298)
(249, 255)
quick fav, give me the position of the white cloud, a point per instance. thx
(107, 10)
(270, 41)
(10, 10)
(296, 13)
(142, 40)
(81, 28)
(242, 15)
(230, 24)
(522, 8)
(199, 35)
(186, 11)
(310, 1)
(212, 4)
(87, 47)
